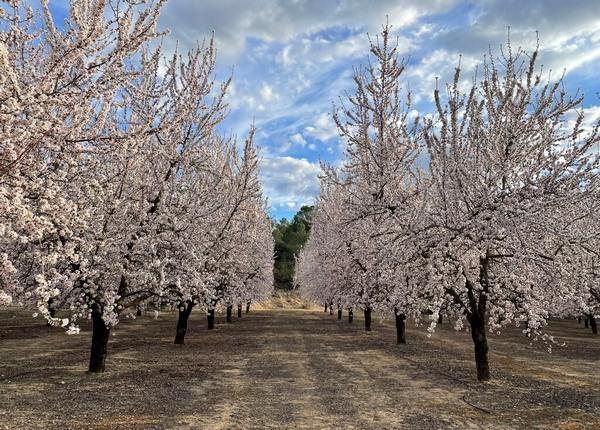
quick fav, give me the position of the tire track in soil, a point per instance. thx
(271, 384)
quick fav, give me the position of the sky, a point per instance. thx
(293, 59)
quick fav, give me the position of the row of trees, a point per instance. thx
(116, 190)
(485, 210)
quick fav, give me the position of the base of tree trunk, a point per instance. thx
(229, 310)
(479, 337)
(593, 324)
(350, 315)
(100, 336)
(401, 328)
(211, 319)
(339, 313)
(368, 319)
(325, 307)
(247, 307)
(586, 322)
(240, 310)
(182, 323)
(138, 312)
(330, 308)
(440, 319)
(51, 312)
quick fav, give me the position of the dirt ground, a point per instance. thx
(292, 368)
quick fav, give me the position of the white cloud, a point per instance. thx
(267, 94)
(323, 127)
(274, 20)
(290, 182)
(298, 139)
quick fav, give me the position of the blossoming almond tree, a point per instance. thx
(377, 183)
(93, 199)
(226, 239)
(503, 162)
(57, 88)
(488, 231)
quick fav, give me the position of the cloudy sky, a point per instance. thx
(293, 58)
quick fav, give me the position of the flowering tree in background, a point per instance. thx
(377, 185)
(231, 263)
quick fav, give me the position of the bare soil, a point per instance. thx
(293, 368)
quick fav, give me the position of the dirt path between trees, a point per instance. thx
(287, 368)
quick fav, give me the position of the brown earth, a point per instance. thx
(292, 368)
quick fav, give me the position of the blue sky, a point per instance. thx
(293, 59)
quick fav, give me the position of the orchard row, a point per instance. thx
(485, 210)
(116, 190)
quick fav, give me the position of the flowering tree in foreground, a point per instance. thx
(56, 90)
(504, 165)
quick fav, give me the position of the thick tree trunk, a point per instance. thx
(330, 308)
(325, 307)
(440, 319)
(479, 337)
(182, 323)
(368, 319)
(586, 322)
(139, 311)
(247, 307)
(100, 335)
(211, 319)
(593, 324)
(229, 309)
(350, 315)
(339, 312)
(239, 310)
(400, 327)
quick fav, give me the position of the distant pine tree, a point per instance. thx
(289, 238)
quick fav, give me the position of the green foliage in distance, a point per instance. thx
(290, 237)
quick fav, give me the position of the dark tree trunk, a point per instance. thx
(368, 319)
(139, 312)
(440, 319)
(330, 308)
(100, 335)
(350, 315)
(51, 311)
(400, 327)
(247, 307)
(578, 320)
(229, 309)
(593, 324)
(239, 310)
(325, 307)
(586, 322)
(479, 337)
(182, 323)
(339, 312)
(211, 319)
